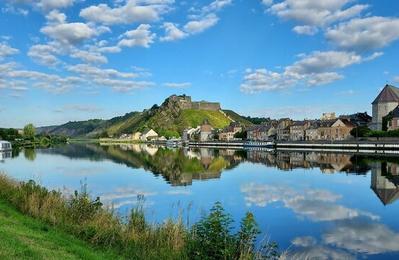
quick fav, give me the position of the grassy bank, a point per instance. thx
(133, 237)
(23, 237)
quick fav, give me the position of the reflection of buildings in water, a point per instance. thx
(327, 162)
(385, 181)
(5, 155)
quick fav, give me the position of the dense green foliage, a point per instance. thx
(257, 120)
(241, 135)
(134, 238)
(9, 134)
(363, 131)
(29, 131)
(23, 237)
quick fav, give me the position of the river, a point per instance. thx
(315, 205)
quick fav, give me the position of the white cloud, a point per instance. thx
(45, 5)
(172, 33)
(317, 68)
(177, 85)
(216, 5)
(396, 79)
(305, 29)
(200, 25)
(315, 13)
(141, 37)
(69, 33)
(118, 81)
(132, 12)
(44, 54)
(89, 57)
(364, 34)
(6, 50)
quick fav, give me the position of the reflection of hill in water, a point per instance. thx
(182, 166)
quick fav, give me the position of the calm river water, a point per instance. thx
(316, 205)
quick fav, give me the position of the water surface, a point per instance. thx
(316, 205)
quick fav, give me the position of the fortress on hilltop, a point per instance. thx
(184, 102)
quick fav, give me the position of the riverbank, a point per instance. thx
(133, 237)
(23, 237)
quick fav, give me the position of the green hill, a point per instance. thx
(169, 119)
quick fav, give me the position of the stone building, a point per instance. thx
(263, 132)
(393, 122)
(227, 134)
(206, 131)
(297, 130)
(283, 129)
(385, 102)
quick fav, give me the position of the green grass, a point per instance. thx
(23, 237)
(194, 118)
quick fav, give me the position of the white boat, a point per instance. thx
(5, 146)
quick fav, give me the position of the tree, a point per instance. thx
(29, 131)
(360, 131)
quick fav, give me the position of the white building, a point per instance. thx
(149, 135)
(5, 145)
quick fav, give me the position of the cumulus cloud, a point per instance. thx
(6, 50)
(315, 13)
(132, 12)
(200, 25)
(49, 82)
(44, 54)
(118, 81)
(141, 37)
(67, 33)
(89, 57)
(172, 33)
(364, 34)
(45, 5)
(317, 68)
(317, 205)
(177, 85)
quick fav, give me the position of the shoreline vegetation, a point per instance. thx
(133, 237)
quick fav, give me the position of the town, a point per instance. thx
(329, 127)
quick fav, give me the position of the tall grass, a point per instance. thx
(135, 237)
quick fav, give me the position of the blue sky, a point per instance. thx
(63, 60)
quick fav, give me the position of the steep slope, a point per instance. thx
(169, 119)
(236, 117)
(73, 129)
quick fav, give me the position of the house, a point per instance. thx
(393, 119)
(227, 134)
(149, 135)
(297, 130)
(206, 131)
(359, 119)
(385, 102)
(283, 129)
(335, 130)
(136, 136)
(312, 132)
(263, 132)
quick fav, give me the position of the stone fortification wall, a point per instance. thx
(204, 105)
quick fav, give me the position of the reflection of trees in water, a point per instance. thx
(30, 154)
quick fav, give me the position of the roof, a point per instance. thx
(4, 142)
(347, 122)
(395, 112)
(388, 94)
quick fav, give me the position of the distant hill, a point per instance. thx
(169, 119)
